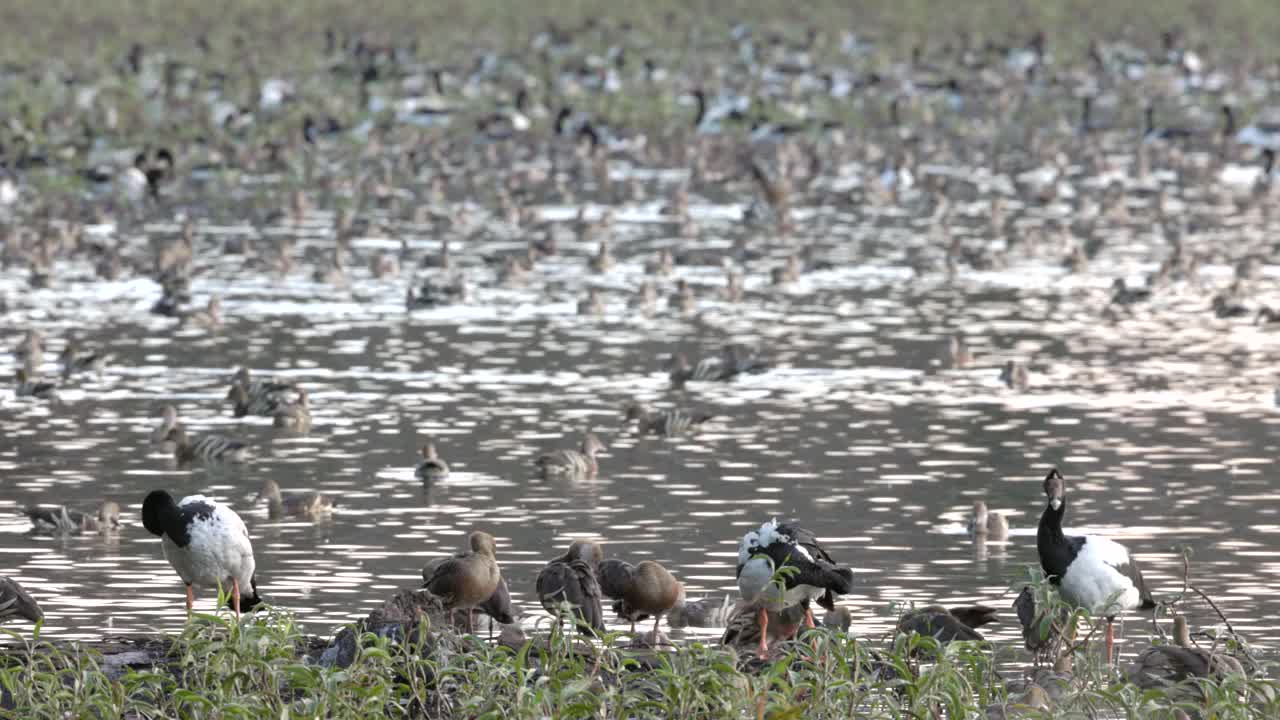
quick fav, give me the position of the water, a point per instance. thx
(1161, 416)
(1162, 424)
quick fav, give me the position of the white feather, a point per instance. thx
(219, 549)
(1093, 582)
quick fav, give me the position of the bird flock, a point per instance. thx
(455, 164)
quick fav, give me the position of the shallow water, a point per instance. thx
(1160, 422)
(1161, 417)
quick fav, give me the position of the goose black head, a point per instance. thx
(1055, 488)
(159, 512)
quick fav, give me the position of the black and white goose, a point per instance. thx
(816, 576)
(1091, 572)
(206, 543)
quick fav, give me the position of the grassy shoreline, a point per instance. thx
(264, 666)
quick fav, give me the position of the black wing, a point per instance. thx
(1134, 573)
(615, 578)
(573, 583)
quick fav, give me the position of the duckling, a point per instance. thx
(48, 520)
(307, 506)
(581, 463)
(432, 466)
(208, 449)
(468, 579)
(640, 591)
(592, 304)
(74, 361)
(40, 389)
(665, 423)
(294, 416)
(1015, 376)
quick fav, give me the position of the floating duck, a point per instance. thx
(432, 466)
(580, 463)
(40, 389)
(49, 520)
(664, 423)
(987, 523)
(308, 506)
(207, 544)
(207, 449)
(947, 624)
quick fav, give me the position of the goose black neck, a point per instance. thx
(161, 516)
(1051, 544)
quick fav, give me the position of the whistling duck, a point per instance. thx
(1165, 666)
(665, 423)
(206, 543)
(47, 520)
(208, 449)
(1092, 572)
(1015, 376)
(705, 613)
(989, 524)
(498, 605)
(432, 466)
(569, 583)
(1122, 294)
(961, 356)
(947, 624)
(74, 361)
(646, 589)
(259, 397)
(40, 389)
(750, 626)
(762, 552)
(16, 602)
(468, 579)
(840, 619)
(580, 463)
(294, 416)
(308, 506)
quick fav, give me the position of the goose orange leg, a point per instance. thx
(235, 595)
(764, 634)
(191, 598)
(1111, 640)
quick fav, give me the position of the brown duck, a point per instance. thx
(571, 580)
(467, 580)
(640, 591)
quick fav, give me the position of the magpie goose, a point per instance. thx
(815, 577)
(1091, 572)
(205, 542)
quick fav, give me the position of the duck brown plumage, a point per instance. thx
(466, 580)
(640, 591)
(571, 580)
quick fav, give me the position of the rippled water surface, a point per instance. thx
(1162, 422)
(1161, 415)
